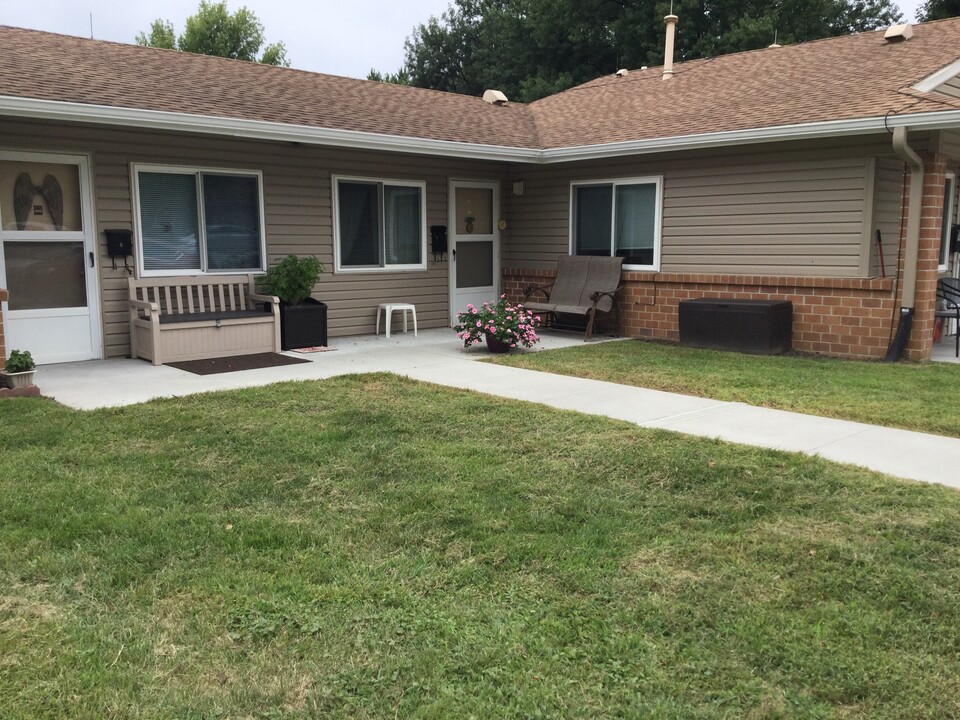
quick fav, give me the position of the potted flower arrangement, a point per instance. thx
(303, 320)
(19, 370)
(503, 326)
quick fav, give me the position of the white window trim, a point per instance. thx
(656, 180)
(137, 168)
(943, 261)
(334, 189)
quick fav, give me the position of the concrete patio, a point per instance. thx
(436, 356)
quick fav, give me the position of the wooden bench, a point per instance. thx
(191, 318)
(585, 285)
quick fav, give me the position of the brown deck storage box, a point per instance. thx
(762, 327)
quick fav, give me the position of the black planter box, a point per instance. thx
(763, 327)
(303, 324)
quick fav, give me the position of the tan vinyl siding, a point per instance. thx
(887, 210)
(790, 209)
(297, 200)
(951, 88)
(950, 144)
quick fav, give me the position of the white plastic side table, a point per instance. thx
(403, 308)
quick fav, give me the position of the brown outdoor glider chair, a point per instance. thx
(585, 285)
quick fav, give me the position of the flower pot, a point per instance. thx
(303, 324)
(497, 346)
(18, 380)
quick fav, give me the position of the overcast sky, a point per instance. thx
(330, 36)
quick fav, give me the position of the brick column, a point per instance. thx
(3, 346)
(920, 346)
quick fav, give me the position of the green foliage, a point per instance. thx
(372, 547)
(292, 279)
(161, 35)
(938, 10)
(20, 361)
(401, 77)
(213, 30)
(533, 48)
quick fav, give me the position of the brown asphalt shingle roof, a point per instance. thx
(841, 78)
(835, 79)
(46, 66)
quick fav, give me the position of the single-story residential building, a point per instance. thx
(824, 173)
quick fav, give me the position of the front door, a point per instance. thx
(475, 244)
(47, 254)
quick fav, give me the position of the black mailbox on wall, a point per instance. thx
(119, 243)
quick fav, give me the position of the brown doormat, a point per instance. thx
(234, 363)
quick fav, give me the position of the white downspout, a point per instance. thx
(912, 247)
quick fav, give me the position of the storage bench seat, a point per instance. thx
(192, 318)
(200, 316)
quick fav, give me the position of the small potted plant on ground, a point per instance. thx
(303, 320)
(19, 370)
(503, 326)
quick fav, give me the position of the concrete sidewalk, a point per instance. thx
(437, 357)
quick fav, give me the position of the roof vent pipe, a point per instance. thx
(898, 33)
(671, 21)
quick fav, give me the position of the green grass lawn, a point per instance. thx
(924, 397)
(372, 547)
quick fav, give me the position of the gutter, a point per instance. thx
(912, 249)
(285, 132)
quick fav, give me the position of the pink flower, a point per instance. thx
(479, 324)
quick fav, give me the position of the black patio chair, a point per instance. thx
(948, 295)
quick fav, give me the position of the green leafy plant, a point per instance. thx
(20, 361)
(511, 324)
(292, 279)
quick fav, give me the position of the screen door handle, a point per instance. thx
(92, 264)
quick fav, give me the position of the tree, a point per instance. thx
(213, 30)
(161, 35)
(938, 10)
(533, 48)
(400, 77)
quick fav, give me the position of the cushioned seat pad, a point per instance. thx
(220, 315)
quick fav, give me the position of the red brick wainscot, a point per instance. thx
(842, 317)
(3, 345)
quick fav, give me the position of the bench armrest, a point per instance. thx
(597, 295)
(531, 289)
(257, 297)
(150, 307)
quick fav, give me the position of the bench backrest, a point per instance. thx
(579, 276)
(194, 294)
(603, 276)
(948, 288)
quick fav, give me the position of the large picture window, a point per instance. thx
(619, 218)
(199, 221)
(380, 224)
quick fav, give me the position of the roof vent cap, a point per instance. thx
(622, 72)
(644, 67)
(775, 45)
(898, 33)
(494, 97)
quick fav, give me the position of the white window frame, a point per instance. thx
(943, 261)
(197, 172)
(409, 267)
(656, 180)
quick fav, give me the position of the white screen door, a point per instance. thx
(474, 244)
(47, 248)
